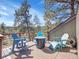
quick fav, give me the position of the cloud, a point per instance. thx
(34, 12)
(7, 22)
(16, 6)
(42, 2)
(8, 8)
(4, 13)
(13, 5)
(2, 7)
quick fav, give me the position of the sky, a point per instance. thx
(8, 7)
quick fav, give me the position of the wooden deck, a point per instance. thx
(45, 53)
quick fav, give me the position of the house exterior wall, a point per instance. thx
(77, 31)
(69, 28)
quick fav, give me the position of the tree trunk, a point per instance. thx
(28, 31)
(72, 7)
(48, 32)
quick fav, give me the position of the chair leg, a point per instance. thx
(17, 45)
(13, 46)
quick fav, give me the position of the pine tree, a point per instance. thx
(23, 17)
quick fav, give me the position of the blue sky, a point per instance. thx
(8, 7)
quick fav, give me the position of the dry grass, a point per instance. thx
(7, 42)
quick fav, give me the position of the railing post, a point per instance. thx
(1, 38)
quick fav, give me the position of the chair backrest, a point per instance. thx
(64, 38)
(14, 36)
(40, 33)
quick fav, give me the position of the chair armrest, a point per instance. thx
(17, 39)
(62, 41)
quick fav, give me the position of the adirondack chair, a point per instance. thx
(59, 43)
(17, 41)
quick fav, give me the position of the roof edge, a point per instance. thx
(63, 23)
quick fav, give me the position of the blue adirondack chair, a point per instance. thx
(16, 41)
(59, 43)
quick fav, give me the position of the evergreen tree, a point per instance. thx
(3, 27)
(37, 23)
(23, 17)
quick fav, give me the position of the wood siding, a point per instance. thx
(77, 31)
(69, 27)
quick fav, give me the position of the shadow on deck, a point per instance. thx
(65, 50)
(23, 54)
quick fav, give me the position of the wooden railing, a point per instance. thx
(21, 34)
